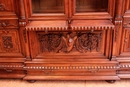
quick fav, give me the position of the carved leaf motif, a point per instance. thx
(88, 42)
(49, 42)
(6, 23)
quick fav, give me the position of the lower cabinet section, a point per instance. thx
(11, 70)
(11, 73)
(124, 71)
(92, 69)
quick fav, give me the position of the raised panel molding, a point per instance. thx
(9, 42)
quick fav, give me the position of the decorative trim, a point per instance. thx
(71, 67)
(11, 66)
(65, 67)
(6, 23)
(50, 69)
(22, 24)
(7, 42)
(25, 35)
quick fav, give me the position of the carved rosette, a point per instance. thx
(67, 42)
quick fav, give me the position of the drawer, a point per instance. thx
(12, 70)
(11, 73)
(72, 69)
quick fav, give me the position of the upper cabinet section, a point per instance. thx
(48, 6)
(70, 9)
(47, 9)
(91, 6)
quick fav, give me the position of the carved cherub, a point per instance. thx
(69, 42)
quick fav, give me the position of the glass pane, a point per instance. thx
(91, 5)
(48, 6)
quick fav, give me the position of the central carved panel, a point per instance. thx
(7, 42)
(67, 42)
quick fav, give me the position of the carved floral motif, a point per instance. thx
(7, 43)
(6, 23)
(82, 42)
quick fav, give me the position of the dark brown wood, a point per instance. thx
(110, 81)
(65, 39)
(31, 81)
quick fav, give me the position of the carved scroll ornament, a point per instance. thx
(3, 8)
(82, 42)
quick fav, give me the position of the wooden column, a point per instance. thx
(118, 27)
(22, 24)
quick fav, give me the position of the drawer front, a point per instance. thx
(12, 70)
(11, 73)
(71, 69)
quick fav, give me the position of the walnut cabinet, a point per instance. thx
(65, 39)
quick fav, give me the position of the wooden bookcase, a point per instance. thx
(65, 39)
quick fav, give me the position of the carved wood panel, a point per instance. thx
(8, 24)
(9, 41)
(64, 43)
(6, 5)
(68, 42)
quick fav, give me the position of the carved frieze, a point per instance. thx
(8, 23)
(67, 42)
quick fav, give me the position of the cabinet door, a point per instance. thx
(92, 9)
(48, 9)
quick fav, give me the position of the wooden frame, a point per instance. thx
(46, 16)
(93, 15)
